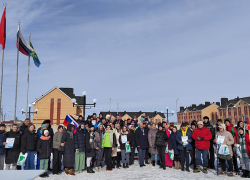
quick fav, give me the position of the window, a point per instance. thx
(229, 109)
(52, 100)
(224, 110)
(230, 116)
(239, 109)
(235, 116)
(59, 100)
(234, 109)
(240, 116)
(245, 108)
(246, 115)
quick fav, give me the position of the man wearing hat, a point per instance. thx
(202, 137)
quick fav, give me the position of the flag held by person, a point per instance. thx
(69, 120)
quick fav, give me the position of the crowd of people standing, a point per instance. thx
(111, 142)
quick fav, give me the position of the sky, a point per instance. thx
(144, 54)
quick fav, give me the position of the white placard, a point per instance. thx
(184, 140)
(124, 139)
(10, 142)
(220, 139)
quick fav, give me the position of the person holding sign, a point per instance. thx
(229, 141)
(12, 154)
(184, 139)
(2, 145)
(124, 140)
(202, 137)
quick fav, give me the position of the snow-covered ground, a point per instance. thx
(146, 173)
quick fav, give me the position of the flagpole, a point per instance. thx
(1, 85)
(27, 99)
(17, 71)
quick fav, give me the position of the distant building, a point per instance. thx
(152, 116)
(197, 113)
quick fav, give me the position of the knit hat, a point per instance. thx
(222, 126)
(46, 131)
(240, 128)
(43, 126)
(200, 123)
(227, 120)
(205, 117)
(193, 124)
(160, 125)
(99, 125)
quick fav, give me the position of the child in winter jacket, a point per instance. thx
(2, 144)
(244, 152)
(44, 148)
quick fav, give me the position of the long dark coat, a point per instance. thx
(80, 140)
(172, 143)
(98, 153)
(141, 138)
(69, 148)
(90, 151)
(12, 154)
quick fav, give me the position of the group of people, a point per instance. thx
(112, 142)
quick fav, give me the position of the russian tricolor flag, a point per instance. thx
(69, 120)
(24, 46)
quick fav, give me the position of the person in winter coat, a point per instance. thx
(230, 127)
(210, 155)
(44, 148)
(29, 146)
(184, 139)
(116, 153)
(151, 140)
(98, 144)
(168, 161)
(90, 148)
(245, 152)
(69, 150)
(173, 146)
(109, 144)
(229, 141)
(192, 153)
(39, 133)
(141, 139)
(2, 145)
(58, 150)
(125, 155)
(80, 147)
(160, 143)
(12, 154)
(240, 124)
(202, 137)
(24, 126)
(132, 144)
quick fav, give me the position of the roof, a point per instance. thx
(196, 108)
(232, 102)
(137, 114)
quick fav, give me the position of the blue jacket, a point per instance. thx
(172, 143)
(179, 141)
(141, 138)
(2, 140)
(80, 140)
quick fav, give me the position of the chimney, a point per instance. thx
(224, 102)
(155, 112)
(207, 103)
(125, 112)
(238, 98)
(193, 106)
(218, 103)
(181, 108)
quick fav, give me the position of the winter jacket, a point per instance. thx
(12, 154)
(234, 132)
(44, 146)
(69, 147)
(206, 134)
(161, 138)
(98, 143)
(80, 140)
(90, 144)
(29, 142)
(151, 140)
(123, 145)
(229, 140)
(141, 138)
(211, 128)
(23, 129)
(247, 143)
(51, 132)
(57, 141)
(179, 140)
(2, 140)
(132, 138)
(106, 139)
(172, 143)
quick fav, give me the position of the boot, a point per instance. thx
(123, 165)
(164, 167)
(89, 170)
(71, 172)
(150, 161)
(205, 170)
(118, 166)
(127, 165)
(231, 174)
(222, 173)
(153, 163)
(42, 175)
(158, 163)
(66, 170)
(248, 174)
(197, 169)
(178, 164)
(92, 171)
(46, 174)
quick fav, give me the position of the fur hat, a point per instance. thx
(200, 123)
(205, 117)
(227, 120)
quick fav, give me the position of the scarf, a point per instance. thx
(111, 137)
(70, 134)
(242, 143)
(44, 137)
(91, 139)
(184, 133)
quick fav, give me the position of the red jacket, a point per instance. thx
(247, 144)
(202, 144)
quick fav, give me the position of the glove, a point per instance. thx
(23, 153)
(77, 150)
(201, 138)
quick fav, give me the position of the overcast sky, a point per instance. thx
(146, 53)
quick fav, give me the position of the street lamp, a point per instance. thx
(85, 106)
(172, 113)
(29, 112)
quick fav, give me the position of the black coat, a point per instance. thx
(29, 142)
(69, 148)
(80, 140)
(172, 143)
(23, 129)
(44, 147)
(123, 146)
(211, 128)
(161, 138)
(90, 150)
(141, 138)
(132, 138)
(12, 154)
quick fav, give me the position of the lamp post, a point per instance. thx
(29, 112)
(84, 105)
(172, 113)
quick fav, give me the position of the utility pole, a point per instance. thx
(110, 105)
(117, 105)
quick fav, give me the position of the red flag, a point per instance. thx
(3, 30)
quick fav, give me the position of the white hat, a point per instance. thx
(222, 126)
(200, 122)
(46, 131)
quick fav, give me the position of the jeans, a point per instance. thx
(30, 161)
(184, 158)
(125, 156)
(141, 155)
(204, 156)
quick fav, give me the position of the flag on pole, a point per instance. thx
(25, 48)
(34, 55)
(3, 29)
(69, 120)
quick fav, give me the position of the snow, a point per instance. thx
(148, 172)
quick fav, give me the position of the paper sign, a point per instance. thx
(184, 140)
(220, 140)
(10, 142)
(124, 139)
